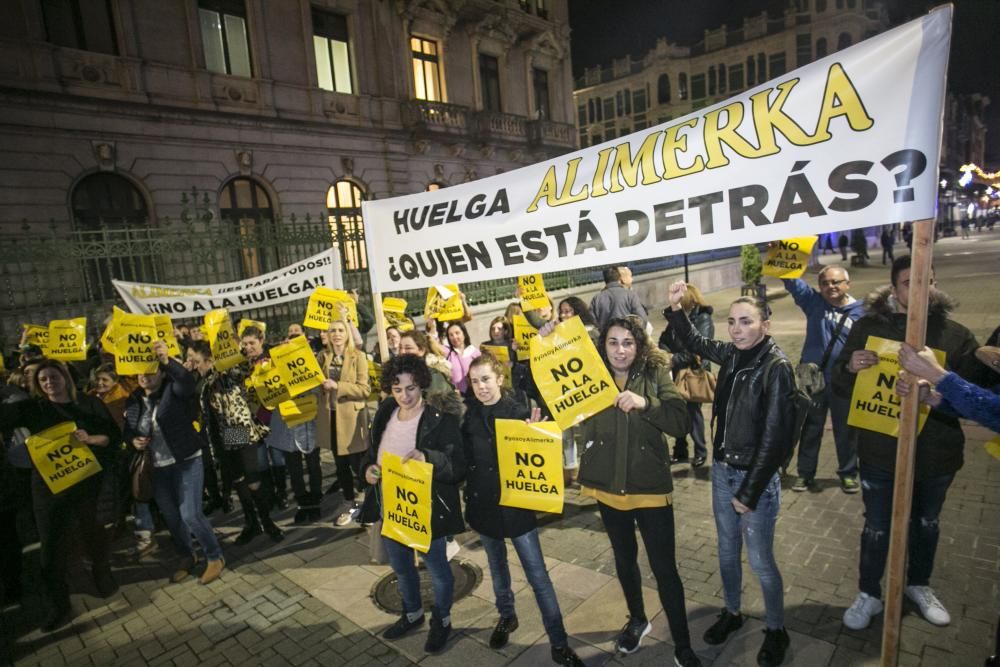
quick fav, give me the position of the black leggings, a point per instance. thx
(657, 527)
(348, 471)
(298, 464)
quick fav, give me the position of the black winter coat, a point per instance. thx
(701, 319)
(760, 421)
(176, 414)
(439, 438)
(482, 482)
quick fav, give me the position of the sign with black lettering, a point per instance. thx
(406, 502)
(529, 458)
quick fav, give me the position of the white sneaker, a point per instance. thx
(930, 607)
(859, 615)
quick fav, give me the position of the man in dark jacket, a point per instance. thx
(939, 448)
(829, 312)
(615, 300)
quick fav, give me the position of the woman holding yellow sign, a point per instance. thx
(407, 427)
(755, 412)
(495, 523)
(56, 404)
(633, 487)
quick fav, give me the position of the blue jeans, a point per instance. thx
(442, 580)
(143, 517)
(177, 489)
(756, 528)
(812, 435)
(928, 499)
(529, 552)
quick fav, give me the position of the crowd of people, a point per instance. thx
(205, 435)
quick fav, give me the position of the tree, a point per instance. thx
(751, 268)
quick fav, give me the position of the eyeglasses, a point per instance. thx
(831, 283)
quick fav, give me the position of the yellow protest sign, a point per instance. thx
(444, 303)
(299, 410)
(394, 311)
(67, 339)
(523, 335)
(108, 335)
(165, 332)
(406, 502)
(529, 457)
(222, 339)
(61, 459)
(133, 343)
(570, 374)
(36, 334)
(324, 307)
(533, 294)
(244, 323)
(297, 365)
(267, 384)
(502, 354)
(374, 379)
(993, 447)
(874, 403)
(789, 258)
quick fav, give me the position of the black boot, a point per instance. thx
(260, 499)
(251, 528)
(279, 476)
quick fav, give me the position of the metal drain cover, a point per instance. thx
(385, 592)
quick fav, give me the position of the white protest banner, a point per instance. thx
(848, 139)
(295, 281)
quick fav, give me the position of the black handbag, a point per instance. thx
(141, 472)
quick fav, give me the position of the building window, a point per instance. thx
(583, 139)
(591, 115)
(711, 81)
(682, 86)
(343, 206)
(489, 82)
(663, 89)
(821, 47)
(107, 200)
(597, 139)
(224, 36)
(628, 102)
(751, 71)
(619, 104)
(86, 25)
(851, 4)
(803, 49)
(697, 86)
(581, 115)
(541, 10)
(599, 107)
(843, 41)
(840, 4)
(639, 101)
(331, 44)
(762, 74)
(426, 70)
(722, 79)
(776, 64)
(736, 78)
(540, 83)
(820, 6)
(245, 206)
(609, 108)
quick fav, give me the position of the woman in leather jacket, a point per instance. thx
(755, 417)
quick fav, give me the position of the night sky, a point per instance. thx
(607, 29)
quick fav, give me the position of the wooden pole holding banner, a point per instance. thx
(383, 341)
(902, 497)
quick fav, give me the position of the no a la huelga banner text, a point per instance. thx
(851, 138)
(295, 281)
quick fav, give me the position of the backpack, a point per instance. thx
(800, 401)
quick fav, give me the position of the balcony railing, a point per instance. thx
(550, 133)
(435, 116)
(439, 118)
(494, 124)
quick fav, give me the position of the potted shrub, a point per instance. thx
(751, 272)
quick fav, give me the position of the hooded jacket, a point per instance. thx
(821, 322)
(439, 438)
(760, 419)
(482, 482)
(625, 452)
(941, 442)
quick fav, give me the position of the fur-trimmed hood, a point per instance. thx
(881, 304)
(655, 358)
(449, 402)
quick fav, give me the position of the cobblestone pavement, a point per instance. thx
(307, 600)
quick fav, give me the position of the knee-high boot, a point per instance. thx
(279, 475)
(251, 527)
(262, 501)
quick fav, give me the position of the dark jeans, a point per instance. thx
(812, 435)
(928, 499)
(529, 552)
(697, 433)
(656, 524)
(442, 580)
(298, 464)
(348, 470)
(55, 516)
(177, 489)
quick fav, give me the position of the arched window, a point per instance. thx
(663, 89)
(343, 206)
(843, 41)
(682, 86)
(245, 206)
(109, 200)
(722, 79)
(711, 81)
(821, 47)
(751, 72)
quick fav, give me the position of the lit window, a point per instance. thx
(245, 207)
(224, 36)
(682, 86)
(333, 60)
(80, 24)
(426, 69)
(343, 206)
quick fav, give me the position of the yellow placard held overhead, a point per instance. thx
(325, 305)
(570, 374)
(67, 339)
(394, 310)
(268, 385)
(133, 343)
(406, 502)
(61, 459)
(244, 323)
(530, 459)
(36, 334)
(444, 303)
(299, 410)
(533, 294)
(297, 365)
(789, 258)
(523, 335)
(108, 335)
(165, 332)
(500, 352)
(222, 339)
(874, 403)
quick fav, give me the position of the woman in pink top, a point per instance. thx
(459, 353)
